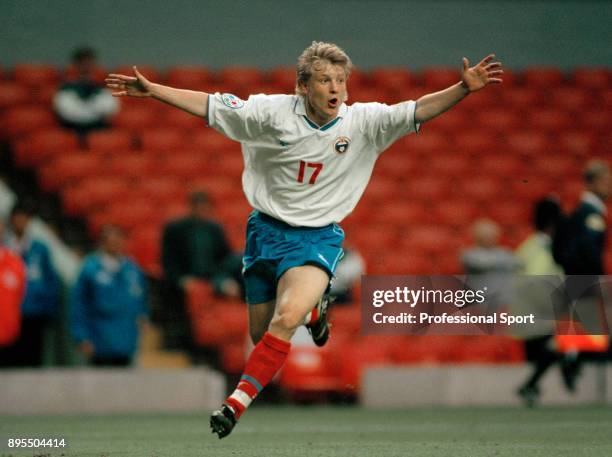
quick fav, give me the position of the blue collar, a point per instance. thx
(300, 109)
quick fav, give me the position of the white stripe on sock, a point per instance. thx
(242, 398)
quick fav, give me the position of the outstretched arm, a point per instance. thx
(472, 80)
(138, 86)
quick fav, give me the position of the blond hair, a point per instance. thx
(319, 51)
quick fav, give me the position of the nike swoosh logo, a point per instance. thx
(323, 259)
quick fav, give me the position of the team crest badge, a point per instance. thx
(232, 101)
(342, 144)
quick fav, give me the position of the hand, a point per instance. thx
(482, 74)
(86, 348)
(231, 289)
(133, 86)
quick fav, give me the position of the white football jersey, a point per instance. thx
(300, 173)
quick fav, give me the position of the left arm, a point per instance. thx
(472, 80)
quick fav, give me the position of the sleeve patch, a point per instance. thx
(231, 101)
(596, 222)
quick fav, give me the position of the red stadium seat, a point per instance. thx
(502, 165)
(543, 77)
(42, 145)
(233, 357)
(187, 165)
(149, 72)
(529, 188)
(392, 78)
(426, 145)
(220, 188)
(596, 120)
(188, 77)
(179, 119)
(12, 94)
(428, 189)
(110, 141)
(592, 78)
(429, 239)
(162, 189)
(549, 120)
(209, 141)
(144, 245)
(499, 120)
(36, 74)
(521, 98)
(480, 188)
(572, 99)
(454, 120)
(136, 115)
(131, 166)
(579, 143)
(530, 143)
(230, 164)
(457, 212)
(398, 165)
(92, 194)
(403, 262)
(23, 120)
(241, 77)
(556, 166)
(448, 263)
(475, 142)
(415, 349)
(357, 355)
(400, 214)
(440, 77)
(284, 78)
(68, 169)
(132, 213)
(309, 369)
(346, 318)
(367, 94)
(163, 140)
(509, 212)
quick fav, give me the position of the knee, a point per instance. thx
(287, 320)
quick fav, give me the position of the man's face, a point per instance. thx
(19, 223)
(114, 242)
(325, 91)
(201, 210)
(602, 185)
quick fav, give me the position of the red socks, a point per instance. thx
(264, 362)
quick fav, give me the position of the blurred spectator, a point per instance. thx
(348, 272)
(579, 246)
(195, 247)
(580, 243)
(81, 103)
(7, 199)
(109, 303)
(42, 298)
(536, 258)
(535, 253)
(12, 289)
(487, 256)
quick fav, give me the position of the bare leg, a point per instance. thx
(260, 316)
(299, 290)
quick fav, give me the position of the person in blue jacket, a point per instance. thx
(40, 306)
(109, 303)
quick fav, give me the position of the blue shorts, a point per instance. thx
(272, 247)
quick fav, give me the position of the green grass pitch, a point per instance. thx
(329, 432)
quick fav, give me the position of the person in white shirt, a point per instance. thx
(308, 158)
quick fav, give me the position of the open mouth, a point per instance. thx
(332, 103)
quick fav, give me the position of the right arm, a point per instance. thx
(193, 102)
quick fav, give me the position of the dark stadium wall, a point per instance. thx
(266, 33)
